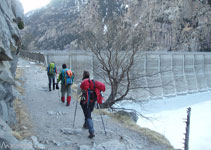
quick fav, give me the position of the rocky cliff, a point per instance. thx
(52, 27)
(180, 25)
(11, 14)
(175, 25)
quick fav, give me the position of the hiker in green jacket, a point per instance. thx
(66, 77)
(51, 72)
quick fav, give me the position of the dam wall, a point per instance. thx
(162, 74)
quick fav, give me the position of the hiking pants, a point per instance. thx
(65, 89)
(51, 78)
(87, 114)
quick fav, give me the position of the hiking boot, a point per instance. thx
(91, 135)
(49, 89)
(62, 99)
(68, 100)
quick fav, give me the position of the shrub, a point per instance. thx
(20, 25)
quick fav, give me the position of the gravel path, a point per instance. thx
(52, 120)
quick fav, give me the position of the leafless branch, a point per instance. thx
(132, 110)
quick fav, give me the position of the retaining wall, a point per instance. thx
(173, 74)
(77, 61)
(162, 74)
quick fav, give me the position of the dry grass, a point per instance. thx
(19, 89)
(19, 74)
(151, 135)
(17, 135)
(22, 129)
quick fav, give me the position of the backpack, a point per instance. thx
(91, 91)
(67, 77)
(51, 69)
(90, 94)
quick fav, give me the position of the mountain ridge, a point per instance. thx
(169, 25)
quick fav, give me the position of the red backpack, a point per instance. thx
(93, 88)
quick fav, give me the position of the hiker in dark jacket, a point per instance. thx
(66, 77)
(87, 107)
(51, 72)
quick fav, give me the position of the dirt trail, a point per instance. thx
(50, 117)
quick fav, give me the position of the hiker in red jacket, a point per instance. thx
(87, 108)
(90, 94)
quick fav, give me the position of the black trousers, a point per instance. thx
(87, 110)
(51, 78)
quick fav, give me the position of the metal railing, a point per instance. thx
(34, 56)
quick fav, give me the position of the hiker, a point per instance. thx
(51, 72)
(66, 77)
(89, 96)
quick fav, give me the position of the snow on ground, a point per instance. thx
(168, 116)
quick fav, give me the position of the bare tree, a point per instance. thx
(115, 43)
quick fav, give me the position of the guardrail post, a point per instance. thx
(187, 129)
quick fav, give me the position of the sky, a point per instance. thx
(168, 116)
(29, 5)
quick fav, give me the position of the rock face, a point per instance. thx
(181, 25)
(175, 25)
(11, 12)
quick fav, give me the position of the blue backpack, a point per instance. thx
(67, 79)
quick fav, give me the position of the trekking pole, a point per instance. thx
(75, 112)
(101, 117)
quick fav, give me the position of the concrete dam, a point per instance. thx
(163, 73)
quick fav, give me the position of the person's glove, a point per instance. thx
(57, 86)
